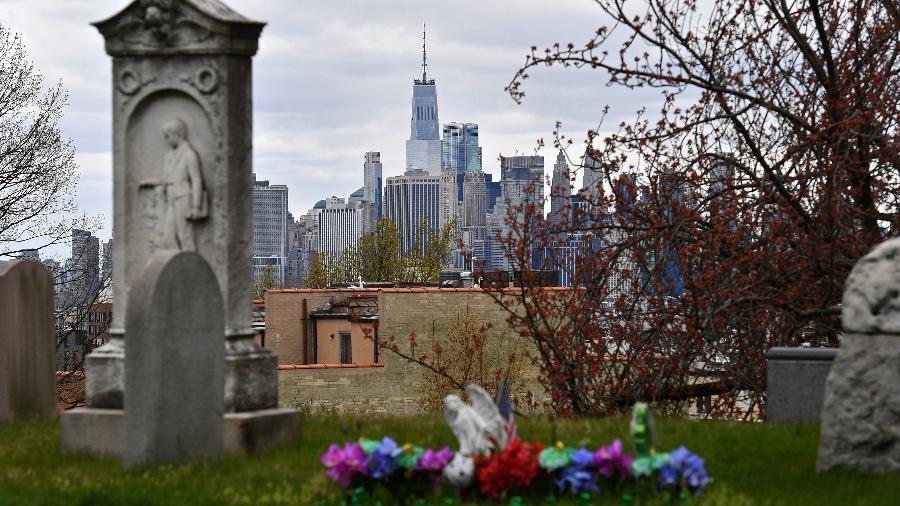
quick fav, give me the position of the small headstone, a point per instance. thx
(861, 412)
(174, 363)
(27, 347)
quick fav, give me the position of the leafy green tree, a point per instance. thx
(317, 277)
(379, 253)
(265, 282)
(430, 253)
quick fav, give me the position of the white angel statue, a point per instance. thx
(478, 427)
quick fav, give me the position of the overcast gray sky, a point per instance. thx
(333, 79)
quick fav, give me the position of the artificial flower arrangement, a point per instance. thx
(518, 468)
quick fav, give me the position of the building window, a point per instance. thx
(346, 348)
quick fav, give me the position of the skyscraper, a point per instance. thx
(85, 278)
(474, 196)
(593, 177)
(492, 190)
(522, 177)
(560, 189)
(410, 198)
(460, 146)
(423, 149)
(372, 181)
(449, 205)
(474, 208)
(270, 230)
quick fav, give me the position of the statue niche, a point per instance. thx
(181, 194)
(168, 153)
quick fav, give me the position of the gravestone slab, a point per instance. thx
(175, 363)
(795, 383)
(27, 342)
(861, 413)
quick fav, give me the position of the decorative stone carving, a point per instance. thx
(872, 298)
(861, 412)
(181, 193)
(206, 80)
(171, 26)
(129, 82)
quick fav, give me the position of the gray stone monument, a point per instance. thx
(27, 342)
(861, 414)
(795, 383)
(175, 363)
(182, 152)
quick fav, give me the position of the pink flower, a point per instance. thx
(344, 463)
(612, 461)
(434, 461)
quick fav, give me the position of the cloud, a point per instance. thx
(333, 80)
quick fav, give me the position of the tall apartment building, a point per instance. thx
(424, 147)
(372, 181)
(460, 147)
(341, 224)
(270, 230)
(409, 199)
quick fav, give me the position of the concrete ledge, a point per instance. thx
(98, 432)
(795, 383)
(257, 432)
(101, 432)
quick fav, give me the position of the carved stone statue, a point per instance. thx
(181, 190)
(479, 428)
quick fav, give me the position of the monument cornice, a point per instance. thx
(179, 27)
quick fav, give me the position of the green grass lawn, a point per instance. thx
(751, 464)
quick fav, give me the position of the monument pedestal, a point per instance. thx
(251, 375)
(101, 432)
(106, 382)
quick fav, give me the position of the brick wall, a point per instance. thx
(340, 390)
(395, 387)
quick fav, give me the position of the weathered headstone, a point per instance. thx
(175, 363)
(795, 383)
(861, 414)
(182, 153)
(27, 342)
(182, 146)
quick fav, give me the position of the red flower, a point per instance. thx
(515, 466)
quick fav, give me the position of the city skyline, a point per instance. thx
(321, 67)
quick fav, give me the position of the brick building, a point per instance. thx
(310, 375)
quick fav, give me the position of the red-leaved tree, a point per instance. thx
(725, 222)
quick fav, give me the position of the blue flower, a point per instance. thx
(668, 476)
(383, 462)
(689, 466)
(577, 476)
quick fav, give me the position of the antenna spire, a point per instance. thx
(424, 57)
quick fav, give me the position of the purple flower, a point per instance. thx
(434, 460)
(577, 476)
(344, 463)
(612, 460)
(383, 461)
